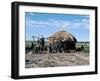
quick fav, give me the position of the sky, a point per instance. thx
(46, 24)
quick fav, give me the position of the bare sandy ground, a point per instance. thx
(56, 59)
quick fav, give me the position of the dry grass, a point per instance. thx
(56, 59)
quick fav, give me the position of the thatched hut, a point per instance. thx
(68, 40)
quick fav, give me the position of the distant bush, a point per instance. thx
(82, 47)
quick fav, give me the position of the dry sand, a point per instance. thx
(56, 59)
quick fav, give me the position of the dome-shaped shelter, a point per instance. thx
(62, 35)
(68, 40)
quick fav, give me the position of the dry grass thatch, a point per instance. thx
(63, 35)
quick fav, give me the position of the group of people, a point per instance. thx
(37, 46)
(62, 46)
(59, 46)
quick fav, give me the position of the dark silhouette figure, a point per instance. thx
(50, 48)
(42, 43)
(28, 49)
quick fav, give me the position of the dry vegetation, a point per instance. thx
(56, 59)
